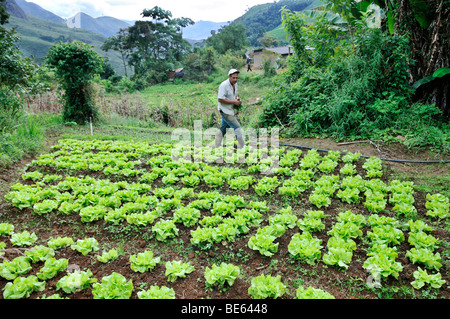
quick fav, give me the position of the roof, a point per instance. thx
(284, 50)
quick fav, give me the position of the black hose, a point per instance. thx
(383, 159)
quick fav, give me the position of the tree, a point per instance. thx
(232, 37)
(4, 15)
(268, 40)
(76, 63)
(117, 43)
(16, 75)
(154, 47)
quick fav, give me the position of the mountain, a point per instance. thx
(107, 26)
(14, 9)
(201, 29)
(38, 35)
(33, 9)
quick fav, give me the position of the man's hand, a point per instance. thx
(236, 102)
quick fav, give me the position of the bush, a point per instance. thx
(361, 91)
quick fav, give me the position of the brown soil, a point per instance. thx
(349, 284)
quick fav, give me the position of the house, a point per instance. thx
(273, 54)
(175, 74)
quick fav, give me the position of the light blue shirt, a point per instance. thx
(226, 91)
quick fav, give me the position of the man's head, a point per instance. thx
(233, 75)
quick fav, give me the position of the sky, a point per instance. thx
(206, 10)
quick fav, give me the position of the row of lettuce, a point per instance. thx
(132, 197)
(115, 285)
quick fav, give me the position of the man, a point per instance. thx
(228, 98)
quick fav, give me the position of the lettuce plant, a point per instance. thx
(59, 242)
(156, 292)
(45, 206)
(143, 262)
(22, 287)
(320, 199)
(214, 180)
(327, 166)
(142, 219)
(381, 266)
(115, 216)
(348, 169)
(23, 239)
(263, 287)
(85, 246)
(92, 213)
(40, 253)
(305, 247)
(222, 275)
(165, 229)
(188, 216)
(266, 185)
(114, 286)
(177, 269)
(107, 256)
(77, 280)
(422, 278)
(15, 268)
(34, 176)
(191, 180)
(346, 230)
(287, 220)
(52, 267)
(223, 208)
(340, 251)
(308, 224)
(203, 237)
(420, 239)
(351, 157)
(386, 234)
(424, 256)
(6, 229)
(312, 293)
(211, 221)
(438, 206)
(264, 244)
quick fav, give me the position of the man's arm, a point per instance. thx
(236, 102)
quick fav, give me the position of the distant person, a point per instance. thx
(249, 65)
(228, 99)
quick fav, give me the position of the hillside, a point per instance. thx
(38, 35)
(266, 17)
(31, 8)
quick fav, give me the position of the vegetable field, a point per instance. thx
(112, 219)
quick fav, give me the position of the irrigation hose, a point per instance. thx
(383, 159)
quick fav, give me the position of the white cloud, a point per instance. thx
(209, 10)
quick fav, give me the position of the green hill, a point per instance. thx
(38, 35)
(267, 17)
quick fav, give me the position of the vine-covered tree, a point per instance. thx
(76, 63)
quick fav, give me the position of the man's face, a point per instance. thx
(233, 78)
